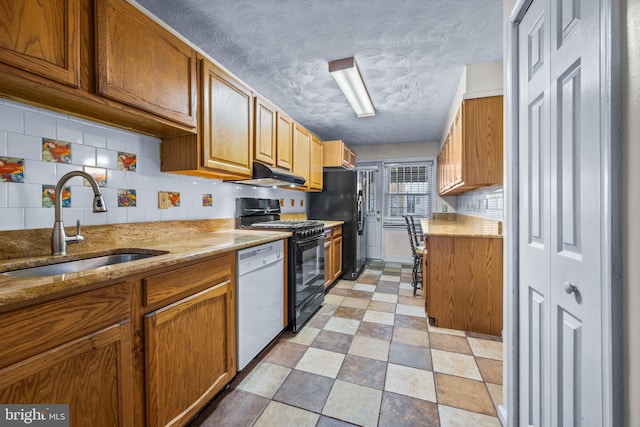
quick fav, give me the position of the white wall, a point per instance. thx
(21, 131)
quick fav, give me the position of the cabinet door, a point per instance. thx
(456, 140)
(315, 164)
(337, 257)
(265, 138)
(42, 37)
(284, 141)
(301, 143)
(227, 122)
(91, 374)
(328, 263)
(143, 65)
(190, 354)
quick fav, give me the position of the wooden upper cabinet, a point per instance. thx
(315, 164)
(141, 64)
(227, 122)
(472, 155)
(284, 141)
(42, 37)
(338, 154)
(265, 132)
(301, 147)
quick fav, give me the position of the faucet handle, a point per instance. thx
(78, 237)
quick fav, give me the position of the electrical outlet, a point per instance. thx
(301, 202)
(281, 202)
(293, 202)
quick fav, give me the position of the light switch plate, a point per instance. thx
(164, 202)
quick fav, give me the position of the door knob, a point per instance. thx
(570, 288)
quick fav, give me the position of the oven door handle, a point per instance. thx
(311, 241)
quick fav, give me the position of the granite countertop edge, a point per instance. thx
(15, 291)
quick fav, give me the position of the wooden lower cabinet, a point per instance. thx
(336, 250)
(463, 283)
(332, 255)
(190, 349)
(74, 350)
(328, 259)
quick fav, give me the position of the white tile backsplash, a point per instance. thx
(24, 146)
(11, 119)
(42, 125)
(98, 144)
(12, 219)
(485, 203)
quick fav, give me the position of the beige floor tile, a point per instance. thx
(410, 336)
(463, 393)
(449, 342)
(343, 325)
(355, 302)
(363, 287)
(321, 362)
(446, 331)
(387, 307)
(369, 347)
(461, 365)
(410, 382)
(344, 284)
(305, 336)
(418, 301)
(388, 278)
(333, 299)
(485, 348)
(407, 292)
(264, 379)
(454, 417)
(495, 391)
(410, 310)
(377, 296)
(281, 415)
(405, 285)
(379, 317)
(353, 403)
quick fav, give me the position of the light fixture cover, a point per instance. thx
(348, 77)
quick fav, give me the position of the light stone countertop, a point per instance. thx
(458, 225)
(16, 292)
(329, 224)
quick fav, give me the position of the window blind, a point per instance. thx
(408, 191)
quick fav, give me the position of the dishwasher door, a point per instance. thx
(260, 298)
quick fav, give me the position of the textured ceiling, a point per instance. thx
(411, 54)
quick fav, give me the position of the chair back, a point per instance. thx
(416, 231)
(411, 231)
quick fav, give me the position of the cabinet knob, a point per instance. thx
(570, 288)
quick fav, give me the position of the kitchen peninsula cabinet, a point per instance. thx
(223, 147)
(463, 282)
(190, 344)
(141, 64)
(471, 156)
(74, 351)
(102, 60)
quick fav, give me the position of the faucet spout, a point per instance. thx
(59, 239)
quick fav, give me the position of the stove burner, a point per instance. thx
(287, 223)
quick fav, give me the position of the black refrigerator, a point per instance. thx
(341, 200)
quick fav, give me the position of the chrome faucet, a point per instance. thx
(59, 239)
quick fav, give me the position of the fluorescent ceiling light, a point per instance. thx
(346, 73)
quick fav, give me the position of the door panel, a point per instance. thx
(560, 214)
(372, 187)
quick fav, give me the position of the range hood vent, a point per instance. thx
(269, 176)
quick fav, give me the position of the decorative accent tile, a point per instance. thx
(207, 200)
(56, 151)
(11, 169)
(49, 196)
(167, 199)
(127, 161)
(126, 198)
(99, 174)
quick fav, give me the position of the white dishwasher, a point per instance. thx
(260, 298)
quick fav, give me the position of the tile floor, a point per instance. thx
(368, 357)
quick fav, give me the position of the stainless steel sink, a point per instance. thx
(79, 265)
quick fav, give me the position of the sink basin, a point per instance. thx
(79, 265)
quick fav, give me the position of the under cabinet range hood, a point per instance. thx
(269, 176)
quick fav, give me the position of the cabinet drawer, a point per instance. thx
(337, 231)
(172, 285)
(32, 330)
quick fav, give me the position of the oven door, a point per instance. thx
(309, 265)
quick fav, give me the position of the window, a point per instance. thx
(408, 191)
